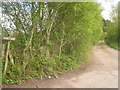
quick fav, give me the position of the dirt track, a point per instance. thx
(100, 72)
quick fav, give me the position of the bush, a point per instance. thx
(61, 45)
(112, 34)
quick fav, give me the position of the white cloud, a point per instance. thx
(107, 6)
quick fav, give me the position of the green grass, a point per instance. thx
(113, 43)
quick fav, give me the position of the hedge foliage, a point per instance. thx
(112, 34)
(50, 37)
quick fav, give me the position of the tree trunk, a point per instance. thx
(60, 49)
(47, 43)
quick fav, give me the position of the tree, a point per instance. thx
(112, 31)
(51, 37)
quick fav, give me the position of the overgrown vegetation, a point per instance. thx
(111, 30)
(50, 37)
(112, 34)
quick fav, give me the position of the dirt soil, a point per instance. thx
(100, 72)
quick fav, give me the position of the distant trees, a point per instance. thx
(51, 37)
(111, 30)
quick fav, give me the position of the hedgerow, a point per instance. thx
(52, 39)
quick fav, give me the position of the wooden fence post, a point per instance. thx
(6, 58)
(3, 51)
(8, 53)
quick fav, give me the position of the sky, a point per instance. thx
(107, 6)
